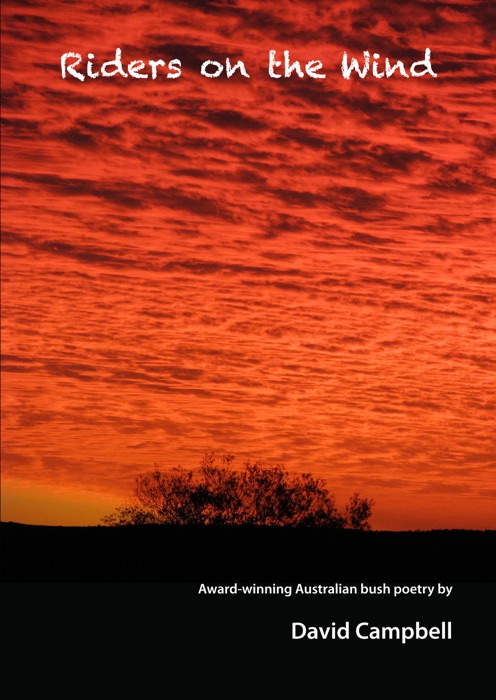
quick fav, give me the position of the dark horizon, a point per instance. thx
(287, 527)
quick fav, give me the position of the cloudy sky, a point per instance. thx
(296, 269)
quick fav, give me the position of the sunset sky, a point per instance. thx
(296, 269)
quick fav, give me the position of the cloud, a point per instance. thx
(299, 269)
(441, 488)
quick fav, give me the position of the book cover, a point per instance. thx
(259, 234)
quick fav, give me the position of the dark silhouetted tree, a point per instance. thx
(217, 494)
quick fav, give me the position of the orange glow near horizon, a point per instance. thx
(293, 269)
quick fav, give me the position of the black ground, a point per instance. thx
(223, 554)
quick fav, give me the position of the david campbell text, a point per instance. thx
(369, 631)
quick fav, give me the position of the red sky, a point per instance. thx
(300, 270)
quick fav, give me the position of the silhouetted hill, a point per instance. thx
(187, 554)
